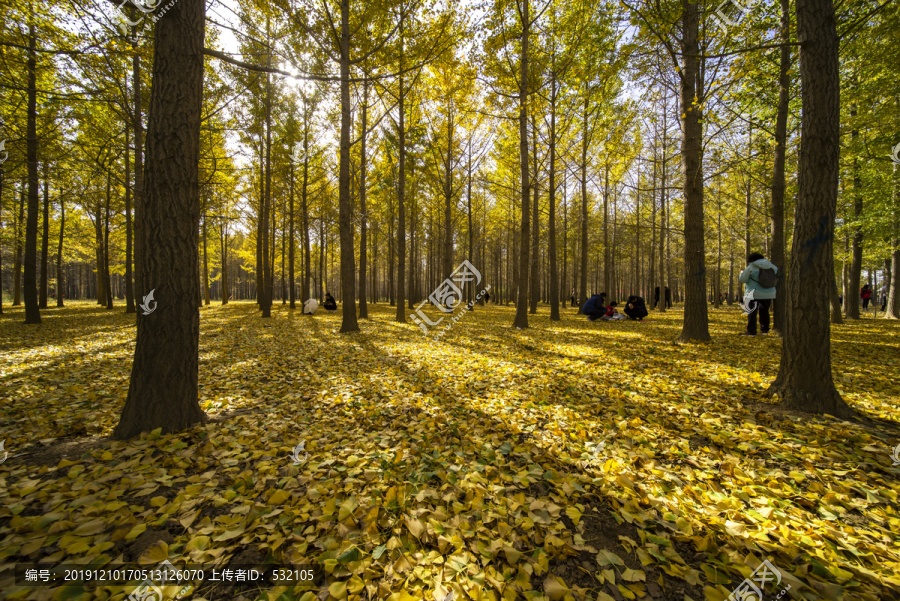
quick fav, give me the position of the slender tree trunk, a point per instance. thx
(307, 251)
(17, 273)
(348, 261)
(401, 192)
(32, 311)
(778, 178)
(268, 287)
(663, 202)
(223, 246)
(138, 127)
(804, 379)
(164, 392)
(893, 301)
(292, 287)
(364, 217)
(106, 274)
(521, 318)
(448, 199)
(60, 289)
(535, 284)
(696, 318)
(45, 240)
(205, 265)
(129, 289)
(851, 300)
(1, 247)
(551, 209)
(583, 292)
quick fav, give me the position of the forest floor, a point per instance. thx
(470, 464)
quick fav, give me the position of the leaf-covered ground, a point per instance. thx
(467, 465)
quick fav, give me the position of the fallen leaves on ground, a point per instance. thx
(572, 460)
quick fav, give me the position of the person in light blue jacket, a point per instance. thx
(762, 296)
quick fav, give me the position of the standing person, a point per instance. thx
(761, 277)
(866, 295)
(572, 298)
(884, 295)
(595, 307)
(636, 308)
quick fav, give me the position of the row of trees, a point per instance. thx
(369, 147)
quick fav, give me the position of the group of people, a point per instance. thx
(866, 294)
(596, 308)
(312, 305)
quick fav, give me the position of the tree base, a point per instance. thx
(817, 402)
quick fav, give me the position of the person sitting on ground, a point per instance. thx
(612, 313)
(636, 308)
(595, 307)
(310, 306)
(760, 277)
(330, 304)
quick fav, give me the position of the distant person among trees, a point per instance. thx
(884, 295)
(760, 277)
(595, 307)
(866, 295)
(572, 298)
(636, 308)
(330, 304)
(668, 297)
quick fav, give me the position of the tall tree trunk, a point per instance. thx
(293, 287)
(223, 245)
(348, 261)
(138, 127)
(583, 291)
(551, 209)
(164, 390)
(804, 379)
(521, 319)
(129, 289)
(45, 240)
(32, 311)
(778, 179)
(470, 289)
(364, 217)
(535, 284)
(307, 251)
(205, 265)
(893, 302)
(851, 300)
(401, 192)
(265, 294)
(696, 317)
(448, 199)
(17, 273)
(60, 289)
(663, 202)
(106, 274)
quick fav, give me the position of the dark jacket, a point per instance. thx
(594, 306)
(639, 310)
(329, 304)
